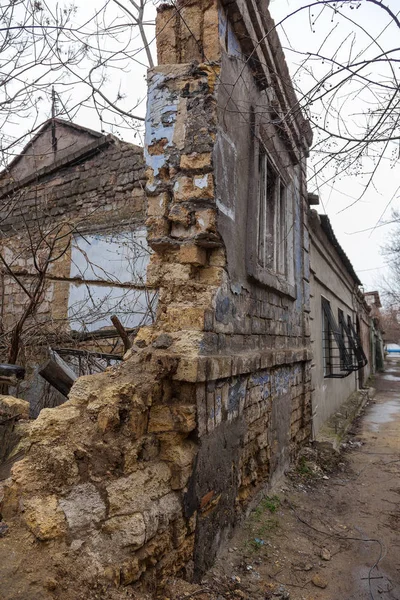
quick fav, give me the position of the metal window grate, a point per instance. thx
(358, 357)
(355, 342)
(338, 362)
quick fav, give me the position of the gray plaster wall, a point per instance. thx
(243, 109)
(329, 279)
(266, 403)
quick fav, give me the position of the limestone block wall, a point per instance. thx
(98, 498)
(147, 468)
(87, 192)
(246, 347)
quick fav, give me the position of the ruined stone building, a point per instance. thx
(73, 211)
(145, 470)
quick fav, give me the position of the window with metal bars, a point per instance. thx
(348, 332)
(336, 359)
(357, 354)
(343, 334)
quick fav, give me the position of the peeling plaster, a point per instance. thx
(160, 121)
(201, 182)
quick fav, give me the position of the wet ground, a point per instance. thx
(320, 536)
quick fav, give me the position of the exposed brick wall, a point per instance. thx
(247, 348)
(169, 451)
(101, 191)
(95, 188)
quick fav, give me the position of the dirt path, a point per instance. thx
(322, 537)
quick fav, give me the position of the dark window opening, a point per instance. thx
(343, 334)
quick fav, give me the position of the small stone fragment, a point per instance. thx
(319, 581)
(51, 584)
(3, 529)
(129, 353)
(325, 554)
(163, 341)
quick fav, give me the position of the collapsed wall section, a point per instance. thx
(97, 500)
(72, 222)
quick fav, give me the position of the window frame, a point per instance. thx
(108, 275)
(344, 336)
(351, 351)
(326, 335)
(279, 276)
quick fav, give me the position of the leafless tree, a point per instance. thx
(390, 324)
(81, 51)
(105, 273)
(390, 284)
(346, 83)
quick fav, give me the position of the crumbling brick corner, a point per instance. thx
(188, 31)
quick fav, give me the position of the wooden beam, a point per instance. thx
(58, 373)
(122, 332)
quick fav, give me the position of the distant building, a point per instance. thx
(377, 342)
(341, 324)
(72, 207)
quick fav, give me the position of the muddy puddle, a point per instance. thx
(389, 377)
(380, 414)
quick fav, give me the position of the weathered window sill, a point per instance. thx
(273, 281)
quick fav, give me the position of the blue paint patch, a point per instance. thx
(227, 36)
(260, 378)
(161, 113)
(223, 309)
(237, 392)
(234, 48)
(218, 405)
(281, 381)
(222, 25)
(265, 393)
(236, 288)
